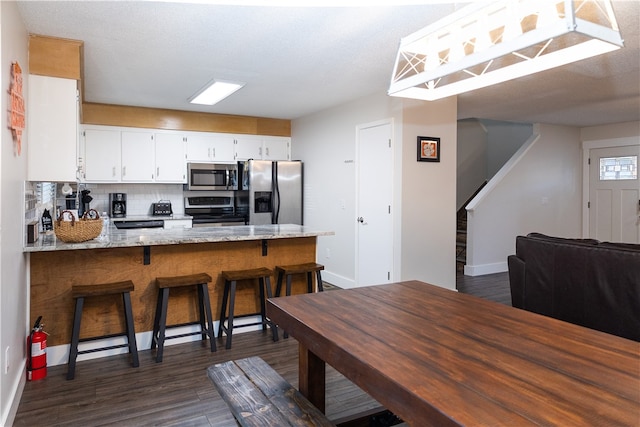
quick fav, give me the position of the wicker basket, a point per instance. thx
(75, 231)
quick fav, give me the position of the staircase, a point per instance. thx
(461, 240)
(461, 233)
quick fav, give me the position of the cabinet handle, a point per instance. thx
(267, 150)
(214, 152)
(124, 171)
(209, 152)
(113, 171)
(260, 151)
(157, 171)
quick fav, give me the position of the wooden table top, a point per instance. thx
(438, 357)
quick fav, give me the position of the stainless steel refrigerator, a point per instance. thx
(272, 191)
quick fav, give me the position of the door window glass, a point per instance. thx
(618, 168)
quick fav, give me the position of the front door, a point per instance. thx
(614, 194)
(374, 196)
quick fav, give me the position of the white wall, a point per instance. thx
(428, 250)
(504, 139)
(326, 142)
(539, 190)
(13, 271)
(472, 159)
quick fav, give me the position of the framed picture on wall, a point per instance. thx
(428, 149)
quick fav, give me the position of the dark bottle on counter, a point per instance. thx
(47, 222)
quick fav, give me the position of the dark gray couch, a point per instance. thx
(582, 281)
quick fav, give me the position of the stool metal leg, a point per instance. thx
(156, 320)
(263, 304)
(309, 282)
(162, 323)
(232, 303)
(223, 309)
(75, 339)
(274, 328)
(131, 334)
(201, 318)
(319, 279)
(204, 292)
(279, 282)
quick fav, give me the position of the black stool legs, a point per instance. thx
(204, 310)
(228, 301)
(85, 291)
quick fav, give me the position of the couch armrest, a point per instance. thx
(516, 280)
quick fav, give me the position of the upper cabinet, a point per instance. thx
(208, 147)
(116, 155)
(102, 155)
(52, 109)
(170, 158)
(263, 148)
(119, 154)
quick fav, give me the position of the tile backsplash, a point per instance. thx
(139, 197)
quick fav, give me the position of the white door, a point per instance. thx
(614, 194)
(374, 196)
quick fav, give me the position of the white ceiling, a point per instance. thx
(299, 60)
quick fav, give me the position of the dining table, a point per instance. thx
(436, 357)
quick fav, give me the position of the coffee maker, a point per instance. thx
(118, 205)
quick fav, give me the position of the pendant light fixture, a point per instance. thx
(486, 43)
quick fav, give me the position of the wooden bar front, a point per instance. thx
(53, 273)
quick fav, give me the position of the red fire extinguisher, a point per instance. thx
(37, 352)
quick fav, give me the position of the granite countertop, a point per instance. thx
(175, 236)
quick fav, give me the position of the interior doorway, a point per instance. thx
(374, 184)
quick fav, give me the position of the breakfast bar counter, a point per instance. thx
(141, 255)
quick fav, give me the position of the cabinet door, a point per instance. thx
(170, 158)
(207, 147)
(101, 155)
(138, 157)
(53, 129)
(276, 148)
(248, 147)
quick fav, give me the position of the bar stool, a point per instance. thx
(289, 270)
(308, 268)
(230, 279)
(200, 281)
(79, 293)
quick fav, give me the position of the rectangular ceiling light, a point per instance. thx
(215, 91)
(491, 42)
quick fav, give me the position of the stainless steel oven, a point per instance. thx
(214, 209)
(212, 176)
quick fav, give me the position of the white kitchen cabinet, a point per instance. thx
(262, 148)
(207, 147)
(138, 156)
(102, 155)
(276, 148)
(170, 155)
(52, 119)
(248, 147)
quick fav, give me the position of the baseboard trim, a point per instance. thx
(16, 397)
(337, 280)
(59, 354)
(482, 269)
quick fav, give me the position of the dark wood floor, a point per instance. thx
(177, 392)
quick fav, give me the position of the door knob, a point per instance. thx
(360, 219)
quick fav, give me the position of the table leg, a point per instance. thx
(311, 377)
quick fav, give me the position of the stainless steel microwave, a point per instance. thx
(212, 176)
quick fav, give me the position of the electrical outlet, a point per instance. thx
(328, 253)
(6, 360)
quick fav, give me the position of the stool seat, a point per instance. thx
(79, 293)
(179, 281)
(205, 320)
(231, 278)
(255, 273)
(102, 289)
